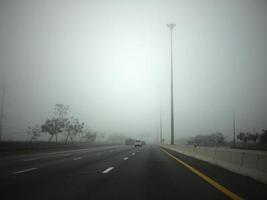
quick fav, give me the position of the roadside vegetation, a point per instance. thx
(245, 140)
(63, 126)
(214, 139)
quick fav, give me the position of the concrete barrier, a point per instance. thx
(250, 163)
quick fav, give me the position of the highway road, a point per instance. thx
(120, 172)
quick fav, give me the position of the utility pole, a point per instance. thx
(160, 125)
(234, 128)
(171, 27)
(2, 111)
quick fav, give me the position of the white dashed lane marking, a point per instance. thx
(108, 170)
(126, 158)
(78, 158)
(25, 170)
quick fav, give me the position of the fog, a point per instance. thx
(110, 62)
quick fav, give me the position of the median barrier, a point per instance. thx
(262, 162)
(251, 163)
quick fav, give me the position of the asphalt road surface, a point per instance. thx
(120, 172)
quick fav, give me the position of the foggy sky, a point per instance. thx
(110, 62)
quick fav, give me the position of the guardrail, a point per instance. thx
(246, 162)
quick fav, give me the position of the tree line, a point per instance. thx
(62, 125)
(217, 139)
(248, 137)
(213, 139)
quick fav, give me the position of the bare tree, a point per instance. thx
(56, 125)
(53, 127)
(34, 132)
(73, 127)
(90, 136)
(61, 110)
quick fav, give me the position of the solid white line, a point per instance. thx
(108, 170)
(79, 158)
(126, 158)
(26, 170)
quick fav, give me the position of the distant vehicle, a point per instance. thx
(138, 143)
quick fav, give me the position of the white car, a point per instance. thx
(137, 143)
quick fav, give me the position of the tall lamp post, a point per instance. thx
(171, 27)
(233, 128)
(2, 112)
(160, 125)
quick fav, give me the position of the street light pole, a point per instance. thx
(160, 125)
(171, 27)
(234, 128)
(2, 112)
